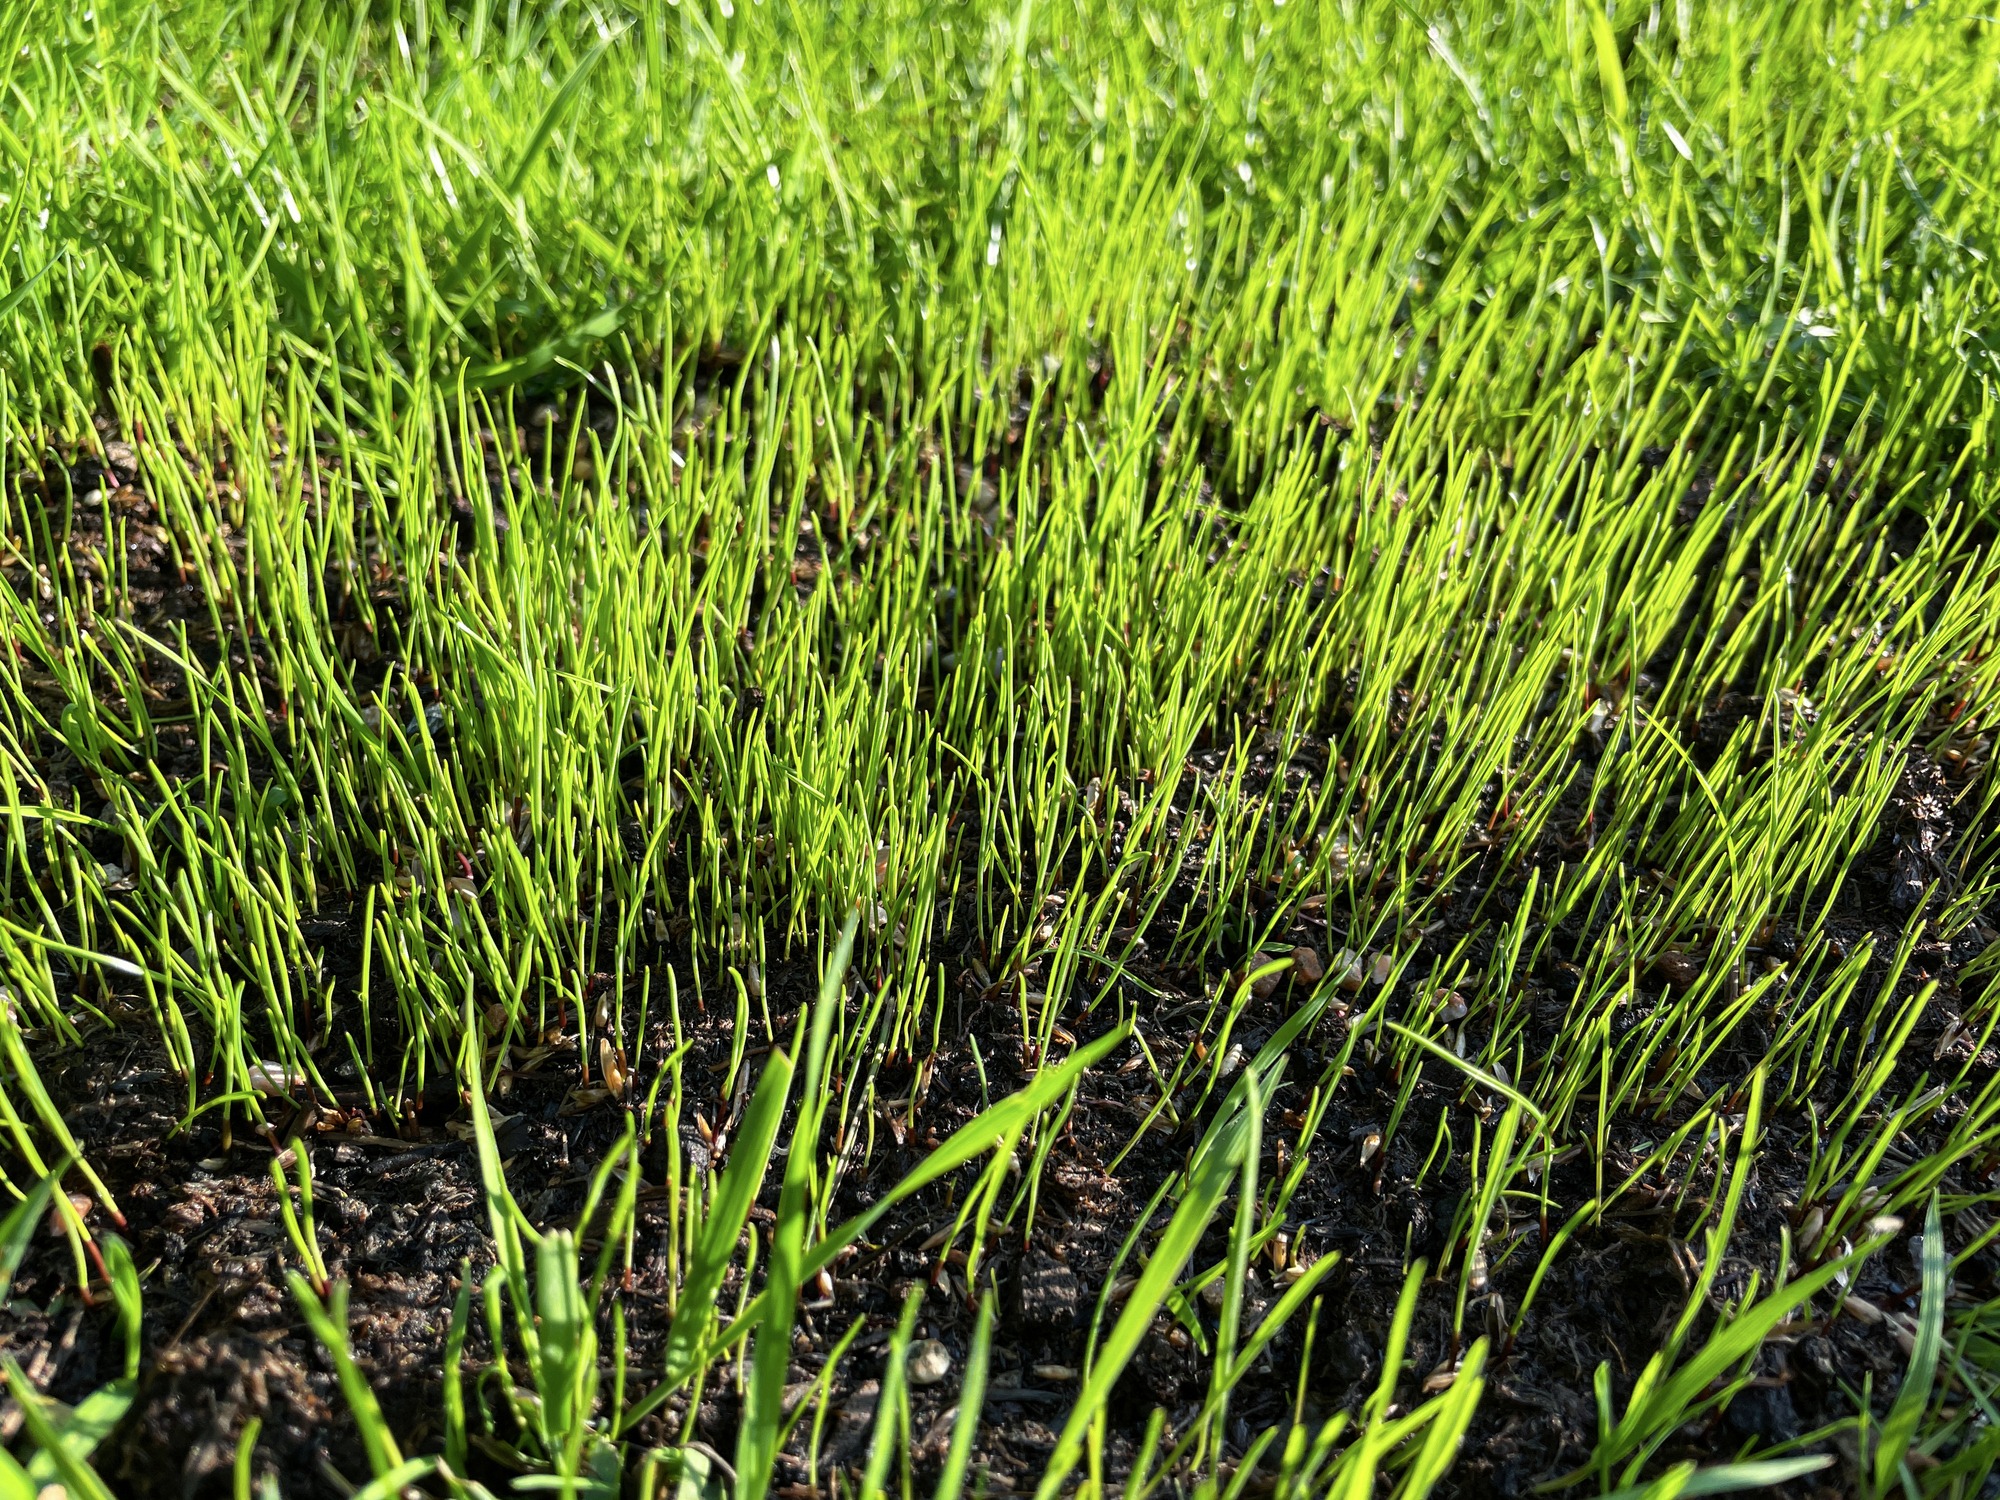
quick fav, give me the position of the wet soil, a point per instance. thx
(400, 1215)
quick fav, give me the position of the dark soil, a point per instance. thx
(400, 1212)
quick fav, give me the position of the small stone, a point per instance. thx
(1678, 970)
(1262, 986)
(930, 1362)
(271, 1078)
(1764, 1412)
(1306, 963)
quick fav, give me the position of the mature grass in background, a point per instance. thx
(981, 410)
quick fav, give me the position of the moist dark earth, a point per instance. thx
(400, 1213)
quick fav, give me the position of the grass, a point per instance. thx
(1070, 505)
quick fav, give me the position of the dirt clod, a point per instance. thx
(1052, 1295)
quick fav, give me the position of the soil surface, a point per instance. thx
(400, 1213)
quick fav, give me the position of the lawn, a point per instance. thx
(1156, 749)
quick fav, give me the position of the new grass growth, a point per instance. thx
(610, 501)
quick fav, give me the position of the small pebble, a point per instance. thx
(930, 1362)
(1348, 965)
(1261, 988)
(1678, 970)
(271, 1078)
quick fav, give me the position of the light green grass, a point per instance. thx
(1005, 403)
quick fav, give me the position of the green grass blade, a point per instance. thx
(88, 1423)
(888, 1436)
(728, 1212)
(1899, 1428)
(971, 1398)
(68, 1466)
(328, 1322)
(763, 1410)
(1205, 1193)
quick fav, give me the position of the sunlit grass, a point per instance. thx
(1048, 494)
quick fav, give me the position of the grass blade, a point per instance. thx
(1913, 1399)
